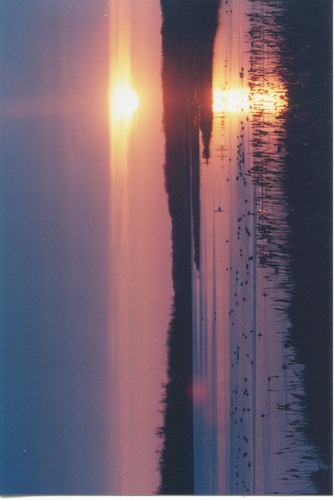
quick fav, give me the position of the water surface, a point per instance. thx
(249, 395)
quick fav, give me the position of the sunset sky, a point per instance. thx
(141, 246)
(86, 248)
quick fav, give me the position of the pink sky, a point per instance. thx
(140, 249)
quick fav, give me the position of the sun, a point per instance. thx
(124, 101)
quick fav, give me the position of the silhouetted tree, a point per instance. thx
(188, 32)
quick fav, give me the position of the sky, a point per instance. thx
(85, 247)
(141, 264)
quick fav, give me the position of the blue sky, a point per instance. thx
(56, 415)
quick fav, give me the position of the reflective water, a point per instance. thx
(248, 389)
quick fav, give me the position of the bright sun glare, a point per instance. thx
(124, 101)
(243, 100)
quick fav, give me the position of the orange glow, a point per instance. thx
(123, 99)
(240, 100)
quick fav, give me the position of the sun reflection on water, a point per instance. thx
(238, 100)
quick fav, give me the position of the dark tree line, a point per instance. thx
(188, 32)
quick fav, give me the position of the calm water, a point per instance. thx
(248, 386)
